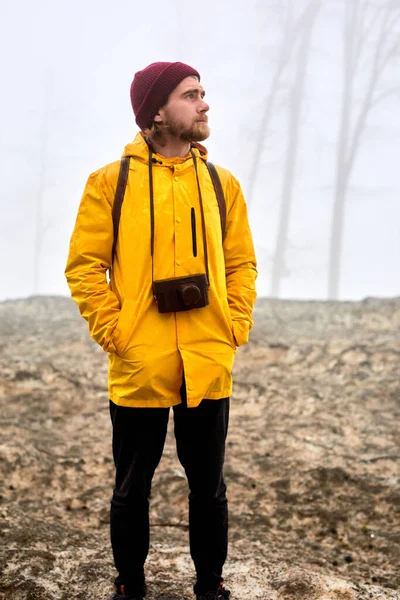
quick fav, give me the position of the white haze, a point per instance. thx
(65, 111)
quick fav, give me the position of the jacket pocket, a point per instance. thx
(194, 238)
(233, 339)
(123, 331)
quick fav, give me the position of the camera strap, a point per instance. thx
(151, 214)
(203, 221)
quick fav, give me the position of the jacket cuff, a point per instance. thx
(240, 332)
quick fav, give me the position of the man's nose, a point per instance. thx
(204, 107)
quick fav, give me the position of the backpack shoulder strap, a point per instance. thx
(118, 199)
(219, 192)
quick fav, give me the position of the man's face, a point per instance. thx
(184, 116)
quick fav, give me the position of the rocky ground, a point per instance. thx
(312, 466)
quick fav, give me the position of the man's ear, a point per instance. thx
(158, 118)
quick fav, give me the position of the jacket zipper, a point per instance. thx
(194, 241)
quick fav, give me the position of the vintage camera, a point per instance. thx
(181, 293)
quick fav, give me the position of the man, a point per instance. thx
(178, 303)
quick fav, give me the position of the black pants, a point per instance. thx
(138, 442)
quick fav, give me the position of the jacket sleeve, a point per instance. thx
(89, 259)
(240, 263)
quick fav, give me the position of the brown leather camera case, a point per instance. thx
(181, 293)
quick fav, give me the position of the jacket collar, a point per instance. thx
(138, 149)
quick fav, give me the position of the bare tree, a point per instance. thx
(289, 35)
(367, 25)
(295, 110)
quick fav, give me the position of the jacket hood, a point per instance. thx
(138, 149)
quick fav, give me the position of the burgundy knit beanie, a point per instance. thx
(151, 87)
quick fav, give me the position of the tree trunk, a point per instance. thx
(336, 239)
(289, 173)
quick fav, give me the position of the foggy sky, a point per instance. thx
(66, 72)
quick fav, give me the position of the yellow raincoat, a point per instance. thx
(149, 351)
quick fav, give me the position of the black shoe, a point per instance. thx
(219, 594)
(116, 596)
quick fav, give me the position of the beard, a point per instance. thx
(196, 132)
